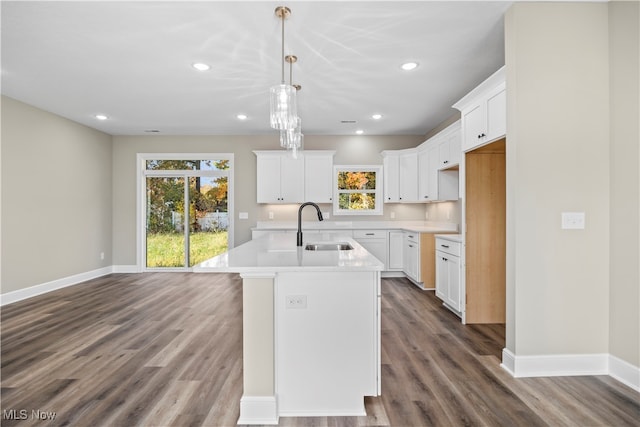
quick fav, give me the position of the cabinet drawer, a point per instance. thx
(370, 234)
(449, 247)
(411, 237)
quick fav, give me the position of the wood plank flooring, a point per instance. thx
(165, 349)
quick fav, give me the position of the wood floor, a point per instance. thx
(165, 349)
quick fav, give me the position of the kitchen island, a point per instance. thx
(311, 325)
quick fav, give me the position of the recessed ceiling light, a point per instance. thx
(201, 66)
(242, 117)
(376, 116)
(101, 117)
(408, 66)
(359, 132)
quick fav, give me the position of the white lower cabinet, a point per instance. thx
(396, 241)
(374, 241)
(448, 284)
(411, 255)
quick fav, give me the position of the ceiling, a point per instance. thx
(132, 61)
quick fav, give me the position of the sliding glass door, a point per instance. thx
(186, 212)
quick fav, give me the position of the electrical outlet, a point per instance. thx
(243, 215)
(296, 301)
(270, 215)
(326, 215)
(102, 255)
(573, 220)
(393, 215)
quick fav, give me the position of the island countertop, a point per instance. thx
(278, 252)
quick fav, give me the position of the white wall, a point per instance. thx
(350, 150)
(56, 197)
(624, 293)
(557, 161)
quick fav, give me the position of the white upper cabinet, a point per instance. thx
(427, 173)
(450, 150)
(280, 177)
(424, 193)
(400, 176)
(318, 176)
(484, 112)
(408, 177)
(391, 165)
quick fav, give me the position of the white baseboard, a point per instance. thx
(624, 372)
(258, 410)
(567, 365)
(43, 288)
(126, 269)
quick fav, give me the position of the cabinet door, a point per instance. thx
(453, 273)
(377, 248)
(410, 256)
(395, 250)
(318, 178)
(444, 154)
(391, 179)
(291, 179)
(473, 122)
(496, 114)
(442, 276)
(268, 179)
(455, 148)
(423, 176)
(408, 178)
(434, 161)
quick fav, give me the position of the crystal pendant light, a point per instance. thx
(283, 97)
(292, 139)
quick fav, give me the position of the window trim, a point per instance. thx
(378, 190)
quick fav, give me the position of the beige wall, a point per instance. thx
(624, 317)
(350, 150)
(56, 197)
(557, 161)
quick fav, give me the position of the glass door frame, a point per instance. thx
(141, 199)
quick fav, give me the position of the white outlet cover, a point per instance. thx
(573, 220)
(243, 215)
(296, 301)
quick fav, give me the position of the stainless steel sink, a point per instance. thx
(328, 247)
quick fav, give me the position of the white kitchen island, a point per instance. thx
(311, 326)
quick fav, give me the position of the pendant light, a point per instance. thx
(283, 96)
(292, 139)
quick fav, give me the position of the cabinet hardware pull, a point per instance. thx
(426, 197)
(446, 161)
(444, 259)
(369, 234)
(445, 246)
(410, 246)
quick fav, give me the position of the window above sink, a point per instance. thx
(357, 190)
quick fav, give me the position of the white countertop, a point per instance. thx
(450, 237)
(278, 252)
(415, 226)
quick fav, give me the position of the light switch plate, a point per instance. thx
(573, 220)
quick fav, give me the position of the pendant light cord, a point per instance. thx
(283, 18)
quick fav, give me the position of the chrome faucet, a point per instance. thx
(300, 219)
